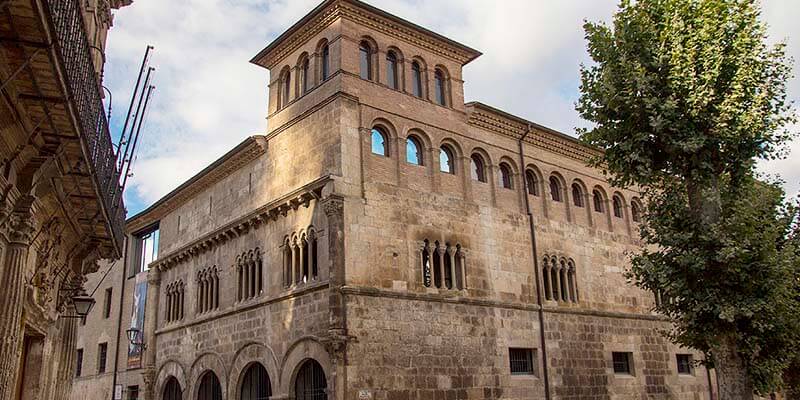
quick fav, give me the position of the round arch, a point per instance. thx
(170, 369)
(204, 363)
(307, 347)
(246, 356)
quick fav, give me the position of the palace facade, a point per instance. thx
(384, 240)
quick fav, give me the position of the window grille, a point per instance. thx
(684, 364)
(521, 361)
(622, 363)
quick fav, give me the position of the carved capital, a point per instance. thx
(19, 228)
(336, 343)
(333, 205)
(153, 277)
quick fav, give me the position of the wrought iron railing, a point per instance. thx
(85, 96)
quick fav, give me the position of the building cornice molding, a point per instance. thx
(496, 121)
(364, 14)
(242, 225)
(247, 151)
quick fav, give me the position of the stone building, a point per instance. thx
(60, 202)
(384, 240)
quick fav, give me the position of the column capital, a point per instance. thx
(154, 276)
(333, 205)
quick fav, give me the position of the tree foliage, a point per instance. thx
(685, 96)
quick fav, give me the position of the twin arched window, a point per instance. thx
(597, 199)
(559, 279)
(506, 179)
(250, 275)
(326, 55)
(304, 84)
(416, 79)
(446, 160)
(477, 168)
(577, 195)
(413, 151)
(365, 54)
(555, 188)
(636, 211)
(440, 87)
(532, 183)
(617, 204)
(379, 144)
(391, 70)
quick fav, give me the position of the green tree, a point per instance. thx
(685, 96)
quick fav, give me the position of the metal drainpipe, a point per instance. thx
(119, 318)
(542, 339)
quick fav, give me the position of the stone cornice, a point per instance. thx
(493, 120)
(364, 14)
(239, 226)
(247, 151)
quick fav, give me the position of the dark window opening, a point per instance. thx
(391, 70)
(325, 62)
(365, 52)
(256, 384)
(446, 160)
(478, 170)
(577, 195)
(622, 363)
(209, 387)
(532, 183)
(521, 361)
(685, 364)
(78, 362)
(440, 87)
(102, 354)
(172, 390)
(506, 179)
(310, 383)
(597, 198)
(416, 79)
(107, 303)
(617, 206)
(555, 188)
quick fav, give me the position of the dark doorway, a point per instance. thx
(256, 384)
(310, 383)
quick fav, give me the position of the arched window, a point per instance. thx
(532, 183)
(548, 292)
(554, 275)
(506, 180)
(256, 384)
(636, 211)
(310, 383)
(287, 263)
(304, 84)
(443, 265)
(577, 195)
(617, 206)
(441, 88)
(325, 62)
(555, 188)
(209, 387)
(562, 280)
(597, 198)
(416, 79)
(477, 168)
(365, 53)
(379, 142)
(391, 70)
(413, 151)
(446, 160)
(573, 289)
(304, 257)
(312, 253)
(285, 88)
(172, 390)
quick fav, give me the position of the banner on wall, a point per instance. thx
(137, 319)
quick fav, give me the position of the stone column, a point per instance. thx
(66, 362)
(336, 342)
(440, 250)
(19, 228)
(149, 336)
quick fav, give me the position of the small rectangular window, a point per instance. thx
(623, 363)
(684, 364)
(102, 354)
(107, 304)
(521, 361)
(78, 362)
(133, 392)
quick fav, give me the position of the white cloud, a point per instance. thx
(209, 97)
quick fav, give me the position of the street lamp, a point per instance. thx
(133, 336)
(82, 302)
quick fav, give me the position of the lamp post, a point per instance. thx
(134, 336)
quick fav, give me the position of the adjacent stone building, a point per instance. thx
(61, 205)
(384, 240)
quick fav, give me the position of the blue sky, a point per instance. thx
(209, 97)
